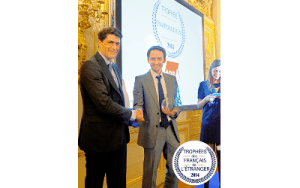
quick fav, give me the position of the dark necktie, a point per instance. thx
(113, 74)
(164, 119)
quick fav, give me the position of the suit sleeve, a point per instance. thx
(176, 97)
(138, 97)
(92, 80)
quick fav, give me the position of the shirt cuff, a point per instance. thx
(133, 116)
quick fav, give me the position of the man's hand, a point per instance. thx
(167, 111)
(139, 115)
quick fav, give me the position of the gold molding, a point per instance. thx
(184, 130)
(182, 122)
(209, 24)
(210, 32)
(207, 42)
(198, 5)
(203, 6)
(80, 153)
(197, 133)
(96, 10)
(133, 141)
(83, 24)
(133, 130)
(133, 181)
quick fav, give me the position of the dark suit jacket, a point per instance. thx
(104, 124)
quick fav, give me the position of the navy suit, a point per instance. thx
(104, 129)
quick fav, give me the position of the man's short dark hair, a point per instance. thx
(109, 30)
(156, 48)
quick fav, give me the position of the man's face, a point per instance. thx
(109, 47)
(156, 60)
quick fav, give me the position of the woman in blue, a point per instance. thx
(209, 99)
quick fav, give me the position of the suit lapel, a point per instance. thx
(169, 85)
(106, 71)
(119, 80)
(151, 87)
(118, 75)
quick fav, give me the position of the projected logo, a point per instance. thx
(172, 68)
(168, 29)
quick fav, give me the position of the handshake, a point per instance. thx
(139, 115)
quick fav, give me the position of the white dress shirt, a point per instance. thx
(163, 84)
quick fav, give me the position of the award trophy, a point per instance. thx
(168, 102)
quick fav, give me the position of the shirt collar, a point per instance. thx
(105, 59)
(154, 74)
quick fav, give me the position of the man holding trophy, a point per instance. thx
(156, 94)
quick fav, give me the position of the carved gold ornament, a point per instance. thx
(203, 6)
(90, 13)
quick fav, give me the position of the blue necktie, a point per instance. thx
(164, 119)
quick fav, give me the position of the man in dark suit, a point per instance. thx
(158, 133)
(104, 132)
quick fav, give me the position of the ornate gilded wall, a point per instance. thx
(189, 123)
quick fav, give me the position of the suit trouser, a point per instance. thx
(167, 143)
(113, 164)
